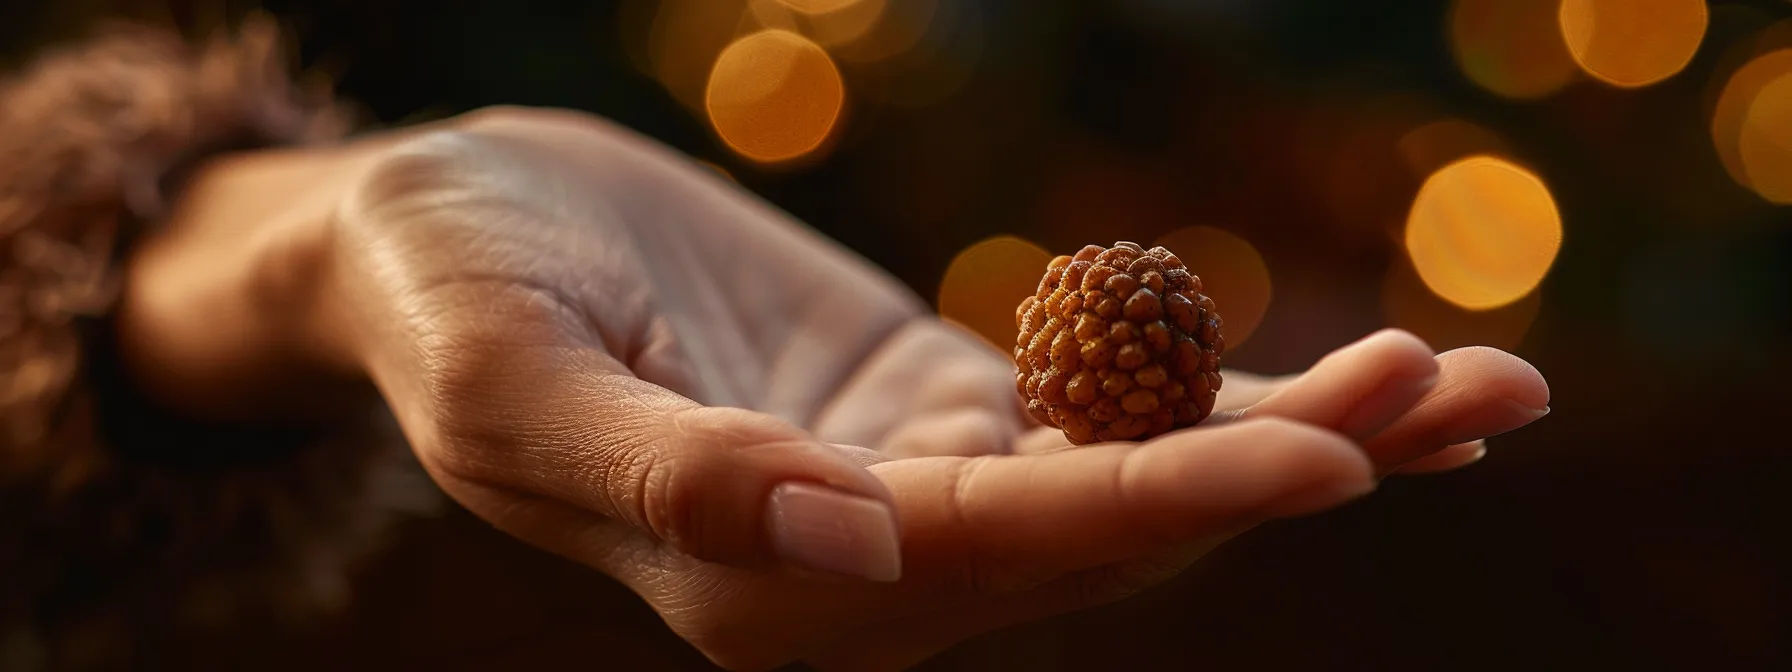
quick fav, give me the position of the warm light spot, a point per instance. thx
(1736, 104)
(774, 96)
(897, 29)
(1483, 232)
(986, 282)
(1443, 142)
(1406, 303)
(1232, 273)
(686, 37)
(1511, 47)
(937, 66)
(634, 26)
(1365, 187)
(1632, 43)
(1766, 141)
(818, 6)
(848, 23)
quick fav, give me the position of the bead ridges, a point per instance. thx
(1118, 344)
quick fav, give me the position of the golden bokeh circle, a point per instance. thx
(1444, 141)
(1483, 232)
(1633, 43)
(1735, 103)
(818, 6)
(846, 23)
(1232, 273)
(1765, 140)
(684, 39)
(774, 96)
(1408, 304)
(1513, 48)
(986, 282)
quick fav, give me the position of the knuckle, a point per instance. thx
(665, 493)
(979, 571)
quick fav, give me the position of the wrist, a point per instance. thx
(225, 311)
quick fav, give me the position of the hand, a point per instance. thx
(617, 357)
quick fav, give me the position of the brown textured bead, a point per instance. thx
(1121, 285)
(1070, 306)
(1144, 306)
(1138, 402)
(1090, 326)
(1098, 278)
(1083, 387)
(1132, 356)
(1118, 343)
(1151, 376)
(1123, 332)
(1154, 281)
(1116, 383)
(1158, 335)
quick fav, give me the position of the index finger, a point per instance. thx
(1001, 520)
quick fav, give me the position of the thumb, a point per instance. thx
(724, 485)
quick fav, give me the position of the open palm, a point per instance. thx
(623, 359)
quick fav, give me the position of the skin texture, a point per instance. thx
(609, 353)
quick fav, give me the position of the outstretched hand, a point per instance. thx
(618, 357)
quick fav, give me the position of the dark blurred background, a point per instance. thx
(1305, 156)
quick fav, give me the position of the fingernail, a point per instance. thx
(822, 529)
(1494, 419)
(1320, 498)
(1386, 404)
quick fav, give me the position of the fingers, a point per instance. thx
(1358, 390)
(1453, 457)
(724, 485)
(1243, 390)
(1481, 392)
(1001, 521)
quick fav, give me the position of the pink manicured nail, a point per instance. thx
(825, 530)
(1494, 419)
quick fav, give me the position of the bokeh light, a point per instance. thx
(898, 28)
(1633, 43)
(1367, 188)
(936, 66)
(1440, 143)
(1232, 273)
(818, 6)
(845, 22)
(774, 96)
(987, 281)
(1407, 303)
(1483, 232)
(685, 39)
(1735, 120)
(1765, 140)
(1513, 48)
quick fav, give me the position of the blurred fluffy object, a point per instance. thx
(126, 531)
